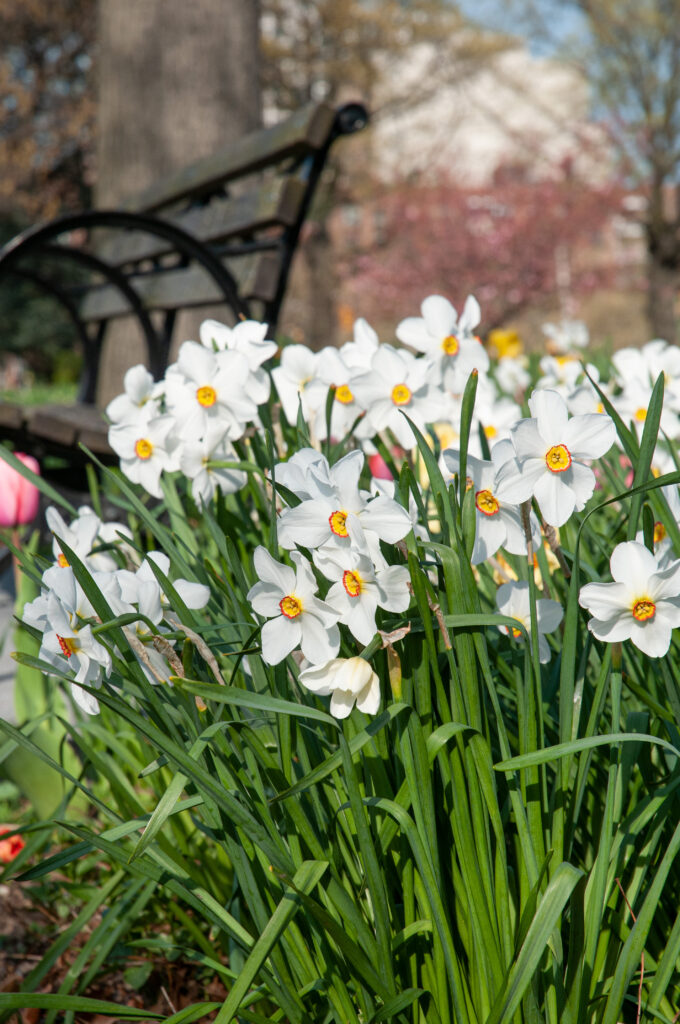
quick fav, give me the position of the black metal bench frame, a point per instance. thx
(126, 269)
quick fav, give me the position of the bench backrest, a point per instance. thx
(240, 210)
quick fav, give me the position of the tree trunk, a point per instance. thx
(177, 79)
(663, 282)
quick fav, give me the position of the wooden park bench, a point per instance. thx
(223, 230)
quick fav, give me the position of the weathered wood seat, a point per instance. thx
(223, 230)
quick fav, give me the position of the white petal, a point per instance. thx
(590, 436)
(368, 700)
(550, 411)
(632, 563)
(555, 500)
(280, 636)
(318, 642)
(439, 315)
(270, 571)
(342, 703)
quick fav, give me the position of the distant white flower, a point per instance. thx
(249, 338)
(551, 453)
(397, 383)
(642, 604)
(359, 590)
(298, 384)
(145, 451)
(197, 461)
(513, 600)
(497, 523)
(203, 387)
(447, 341)
(296, 617)
(336, 373)
(349, 681)
(566, 335)
(83, 534)
(632, 406)
(193, 595)
(137, 403)
(357, 354)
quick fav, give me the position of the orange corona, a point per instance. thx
(558, 458)
(337, 521)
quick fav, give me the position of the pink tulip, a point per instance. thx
(18, 496)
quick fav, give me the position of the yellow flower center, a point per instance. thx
(352, 582)
(517, 633)
(67, 645)
(143, 448)
(344, 395)
(290, 606)
(401, 395)
(450, 345)
(337, 522)
(557, 458)
(599, 407)
(206, 396)
(487, 503)
(490, 432)
(644, 609)
(62, 560)
(659, 532)
(641, 415)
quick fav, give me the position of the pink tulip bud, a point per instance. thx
(18, 496)
(378, 467)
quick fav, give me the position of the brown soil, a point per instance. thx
(27, 930)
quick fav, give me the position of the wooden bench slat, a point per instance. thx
(277, 203)
(256, 275)
(305, 130)
(70, 425)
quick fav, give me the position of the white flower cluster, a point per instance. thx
(74, 640)
(188, 420)
(342, 526)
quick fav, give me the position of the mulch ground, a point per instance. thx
(28, 929)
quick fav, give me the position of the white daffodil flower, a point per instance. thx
(512, 599)
(306, 473)
(193, 595)
(337, 374)
(85, 532)
(642, 604)
(68, 643)
(204, 387)
(448, 341)
(338, 508)
(196, 461)
(249, 338)
(632, 406)
(397, 383)
(349, 681)
(296, 617)
(137, 404)
(497, 524)
(297, 381)
(358, 353)
(359, 590)
(496, 413)
(551, 451)
(145, 451)
(511, 375)
(566, 335)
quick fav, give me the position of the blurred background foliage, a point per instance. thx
(526, 151)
